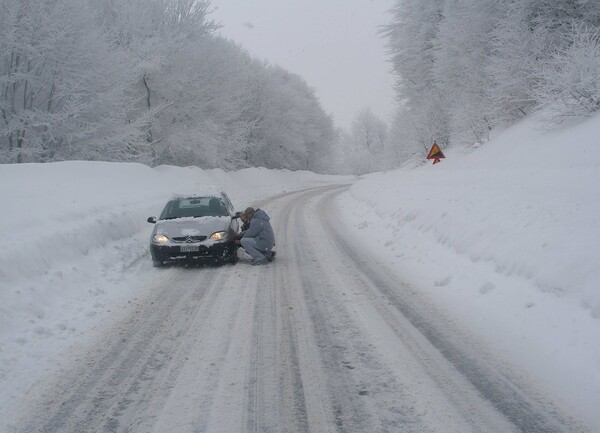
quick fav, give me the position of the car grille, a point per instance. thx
(189, 239)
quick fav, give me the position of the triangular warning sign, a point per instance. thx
(435, 153)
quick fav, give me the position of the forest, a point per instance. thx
(153, 81)
(466, 67)
(149, 81)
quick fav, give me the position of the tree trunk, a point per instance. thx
(149, 139)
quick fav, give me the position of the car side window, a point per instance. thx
(168, 210)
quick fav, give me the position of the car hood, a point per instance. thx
(202, 226)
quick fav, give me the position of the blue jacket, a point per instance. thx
(260, 228)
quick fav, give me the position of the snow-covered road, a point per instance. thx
(324, 339)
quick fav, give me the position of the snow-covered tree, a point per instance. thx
(412, 36)
(59, 97)
(569, 81)
(363, 149)
(369, 131)
(150, 81)
(465, 67)
(461, 53)
(294, 129)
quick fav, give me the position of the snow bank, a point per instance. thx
(56, 213)
(507, 237)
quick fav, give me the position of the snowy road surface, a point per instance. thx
(322, 340)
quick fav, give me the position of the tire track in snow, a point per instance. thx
(345, 410)
(138, 359)
(398, 306)
(321, 340)
(277, 400)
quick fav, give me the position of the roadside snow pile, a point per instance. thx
(55, 214)
(506, 237)
(73, 236)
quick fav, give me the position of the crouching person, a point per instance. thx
(258, 239)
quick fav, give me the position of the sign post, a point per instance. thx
(435, 153)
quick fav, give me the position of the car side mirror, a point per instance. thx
(152, 220)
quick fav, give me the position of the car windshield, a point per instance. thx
(193, 208)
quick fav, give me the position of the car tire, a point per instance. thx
(157, 263)
(233, 258)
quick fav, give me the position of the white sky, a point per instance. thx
(332, 44)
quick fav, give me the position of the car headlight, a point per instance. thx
(218, 236)
(160, 239)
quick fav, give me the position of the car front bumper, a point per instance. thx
(171, 253)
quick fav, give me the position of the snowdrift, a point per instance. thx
(507, 238)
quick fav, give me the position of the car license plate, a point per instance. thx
(189, 248)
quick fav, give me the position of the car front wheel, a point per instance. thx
(233, 258)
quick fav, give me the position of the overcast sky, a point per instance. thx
(332, 44)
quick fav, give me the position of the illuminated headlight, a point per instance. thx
(218, 236)
(160, 239)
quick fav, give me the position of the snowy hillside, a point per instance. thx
(507, 238)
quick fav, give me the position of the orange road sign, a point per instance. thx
(435, 153)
